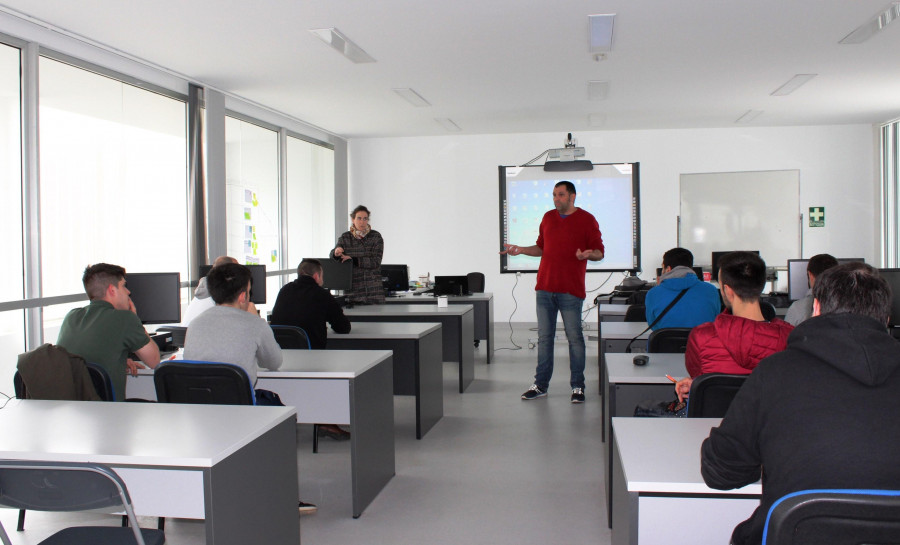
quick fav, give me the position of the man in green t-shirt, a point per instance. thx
(108, 329)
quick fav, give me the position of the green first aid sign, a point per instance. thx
(817, 216)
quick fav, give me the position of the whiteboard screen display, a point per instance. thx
(610, 192)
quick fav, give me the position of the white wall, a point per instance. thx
(436, 199)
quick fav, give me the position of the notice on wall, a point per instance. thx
(817, 216)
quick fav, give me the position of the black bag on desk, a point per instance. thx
(654, 408)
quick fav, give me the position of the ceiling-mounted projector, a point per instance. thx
(564, 159)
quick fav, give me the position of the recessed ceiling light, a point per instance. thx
(601, 30)
(448, 124)
(873, 25)
(412, 97)
(748, 116)
(342, 44)
(792, 85)
(597, 90)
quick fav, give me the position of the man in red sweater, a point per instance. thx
(568, 237)
(740, 336)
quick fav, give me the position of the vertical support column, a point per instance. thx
(196, 183)
(216, 230)
(31, 195)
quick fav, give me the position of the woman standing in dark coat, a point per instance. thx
(365, 247)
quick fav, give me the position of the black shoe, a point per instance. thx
(306, 508)
(534, 392)
(334, 432)
(577, 395)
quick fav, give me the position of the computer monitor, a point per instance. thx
(798, 282)
(257, 280)
(716, 256)
(697, 270)
(395, 278)
(451, 285)
(336, 275)
(156, 296)
(893, 279)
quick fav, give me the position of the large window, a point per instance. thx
(890, 180)
(310, 198)
(113, 170)
(12, 323)
(252, 203)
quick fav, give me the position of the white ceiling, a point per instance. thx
(508, 66)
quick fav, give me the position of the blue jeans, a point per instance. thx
(548, 305)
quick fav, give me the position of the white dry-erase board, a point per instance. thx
(724, 211)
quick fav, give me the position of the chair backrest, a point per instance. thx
(836, 517)
(291, 337)
(768, 310)
(178, 334)
(669, 340)
(200, 382)
(636, 313)
(712, 394)
(64, 486)
(99, 377)
(475, 280)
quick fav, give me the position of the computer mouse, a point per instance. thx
(641, 359)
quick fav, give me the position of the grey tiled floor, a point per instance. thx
(495, 469)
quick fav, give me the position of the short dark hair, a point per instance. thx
(854, 288)
(226, 282)
(678, 257)
(819, 263)
(570, 187)
(309, 267)
(99, 276)
(359, 209)
(743, 272)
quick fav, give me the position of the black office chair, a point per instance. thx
(669, 340)
(75, 487)
(712, 394)
(768, 310)
(291, 337)
(178, 334)
(201, 382)
(636, 313)
(475, 281)
(836, 517)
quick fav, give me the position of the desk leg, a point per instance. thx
(490, 330)
(429, 383)
(251, 496)
(372, 434)
(466, 325)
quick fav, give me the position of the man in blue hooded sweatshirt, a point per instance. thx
(699, 304)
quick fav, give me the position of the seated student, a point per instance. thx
(232, 331)
(306, 304)
(801, 309)
(202, 301)
(740, 336)
(822, 414)
(699, 304)
(107, 330)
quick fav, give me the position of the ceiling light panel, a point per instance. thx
(748, 116)
(342, 44)
(448, 124)
(792, 85)
(601, 30)
(598, 90)
(412, 97)
(873, 25)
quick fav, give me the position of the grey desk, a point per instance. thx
(611, 312)
(418, 368)
(483, 304)
(659, 494)
(217, 463)
(614, 338)
(624, 386)
(335, 387)
(456, 329)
